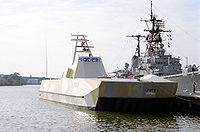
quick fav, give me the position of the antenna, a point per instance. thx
(151, 11)
(46, 56)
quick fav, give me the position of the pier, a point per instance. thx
(186, 101)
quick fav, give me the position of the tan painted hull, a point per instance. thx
(86, 92)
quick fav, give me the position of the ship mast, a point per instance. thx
(154, 61)
(46, 58)
(154, 37)
(81, 45)
(138, 38)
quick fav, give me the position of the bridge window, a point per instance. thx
(80, 59)
(87, 59)
(94, 59)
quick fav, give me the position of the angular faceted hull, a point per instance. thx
(91, 93)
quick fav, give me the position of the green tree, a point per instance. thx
(14, 79)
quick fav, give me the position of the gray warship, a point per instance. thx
(154, 60)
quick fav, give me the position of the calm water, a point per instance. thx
(22, 110)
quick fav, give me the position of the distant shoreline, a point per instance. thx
(14, 79)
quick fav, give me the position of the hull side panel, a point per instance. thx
(186, 81)
(87, 92)
(137, 90)
(80, 92)
(62, 98)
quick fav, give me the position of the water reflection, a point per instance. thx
(124, 122)
(22, 110)
(109, 121)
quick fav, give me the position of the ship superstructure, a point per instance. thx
(84, 64)
(155, 60)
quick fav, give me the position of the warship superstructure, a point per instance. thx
(154, 59)
(85, 83)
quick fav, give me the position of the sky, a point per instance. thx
(26, 26)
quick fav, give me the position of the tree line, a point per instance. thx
(14, 79)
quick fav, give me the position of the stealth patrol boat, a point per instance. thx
(86, 84)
